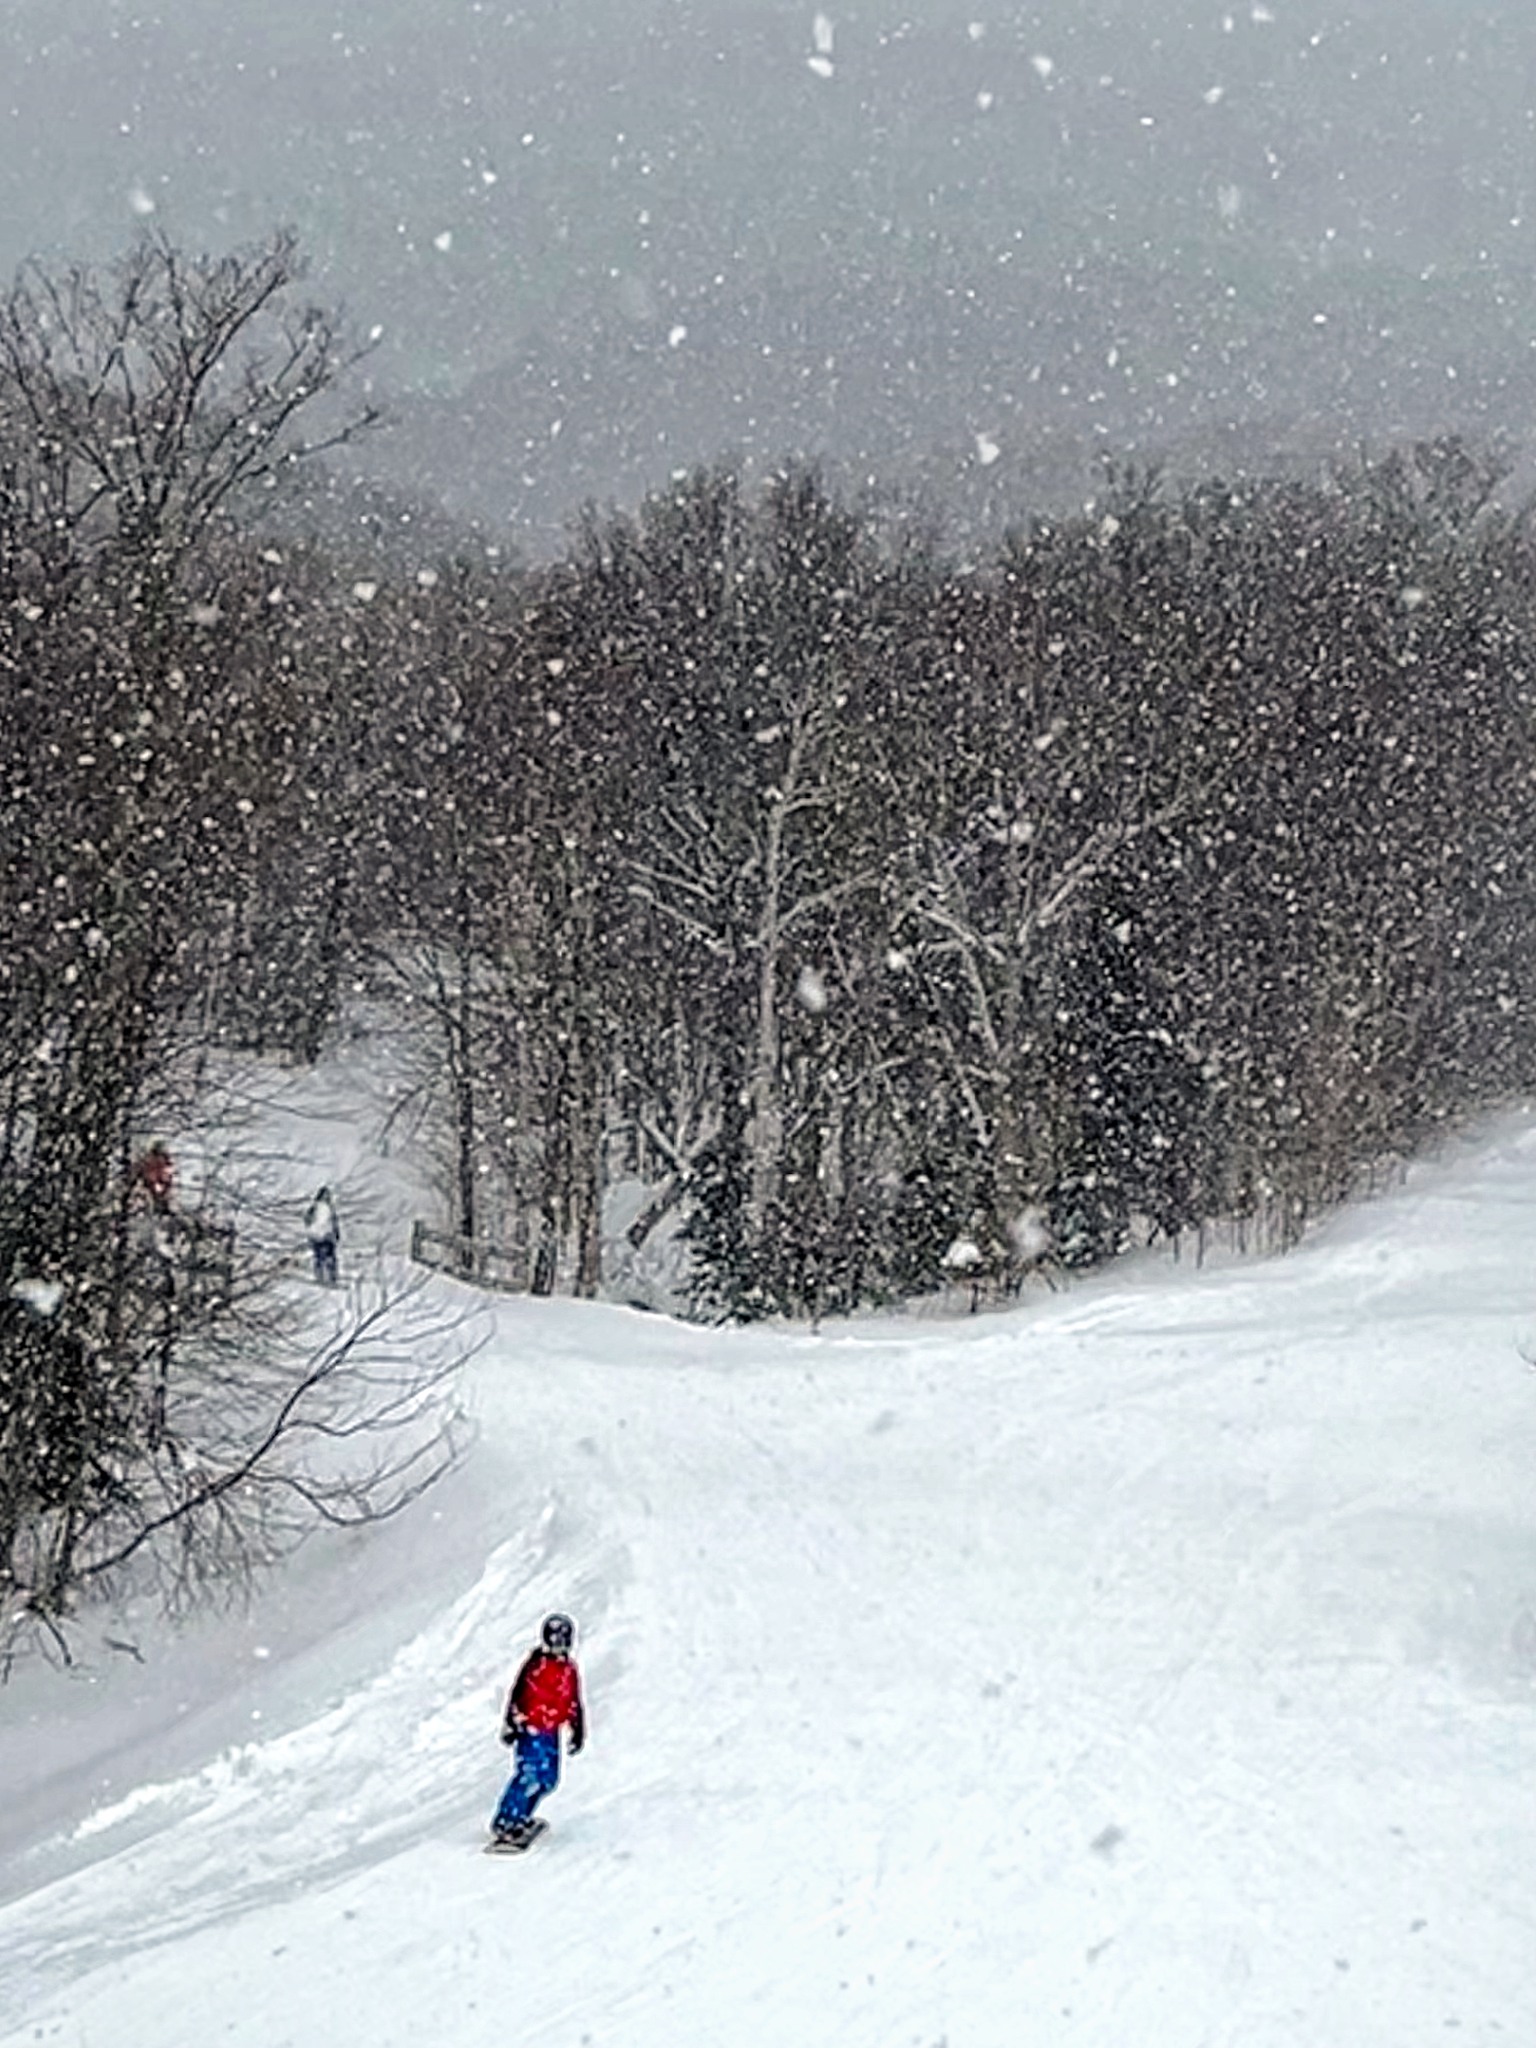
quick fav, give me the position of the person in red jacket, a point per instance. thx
(545, 1697)
(156, 1175)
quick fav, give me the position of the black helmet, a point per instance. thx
(559, 1632)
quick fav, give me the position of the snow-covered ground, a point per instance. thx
(1151, 1667)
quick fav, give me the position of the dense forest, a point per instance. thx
(887, 913)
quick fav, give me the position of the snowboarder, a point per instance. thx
(156, 1175)
(545, 1697)
(324, 1234)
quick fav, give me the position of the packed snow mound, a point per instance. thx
(1156, 1664)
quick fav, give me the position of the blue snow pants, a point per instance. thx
(537, 1772)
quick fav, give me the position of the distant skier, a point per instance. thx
(156, 1175)
(545, 1697)
(324, 1234)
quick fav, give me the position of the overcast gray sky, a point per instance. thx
(954, 228)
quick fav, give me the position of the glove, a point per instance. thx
(574, 1745)
(509, 1736)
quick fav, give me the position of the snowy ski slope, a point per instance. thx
(1151, 1667)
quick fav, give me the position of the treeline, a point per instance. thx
(871, 908)
(1169, 864)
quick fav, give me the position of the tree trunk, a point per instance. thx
(464, 1101)
(587, 1155)
(765, 1127)
(1011, 1164)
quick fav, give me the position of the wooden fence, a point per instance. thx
(506, 1268)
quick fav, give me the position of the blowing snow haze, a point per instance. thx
(959, 249)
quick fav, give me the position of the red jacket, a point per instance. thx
(546, 1695)
(157, 1176)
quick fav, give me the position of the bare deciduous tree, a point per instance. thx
(261, 1429)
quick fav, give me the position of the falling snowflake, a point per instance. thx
(821, 34)
(41, 1296)
(811, 990)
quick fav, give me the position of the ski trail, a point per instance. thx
(401, 1757)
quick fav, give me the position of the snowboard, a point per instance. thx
(495, 1848)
